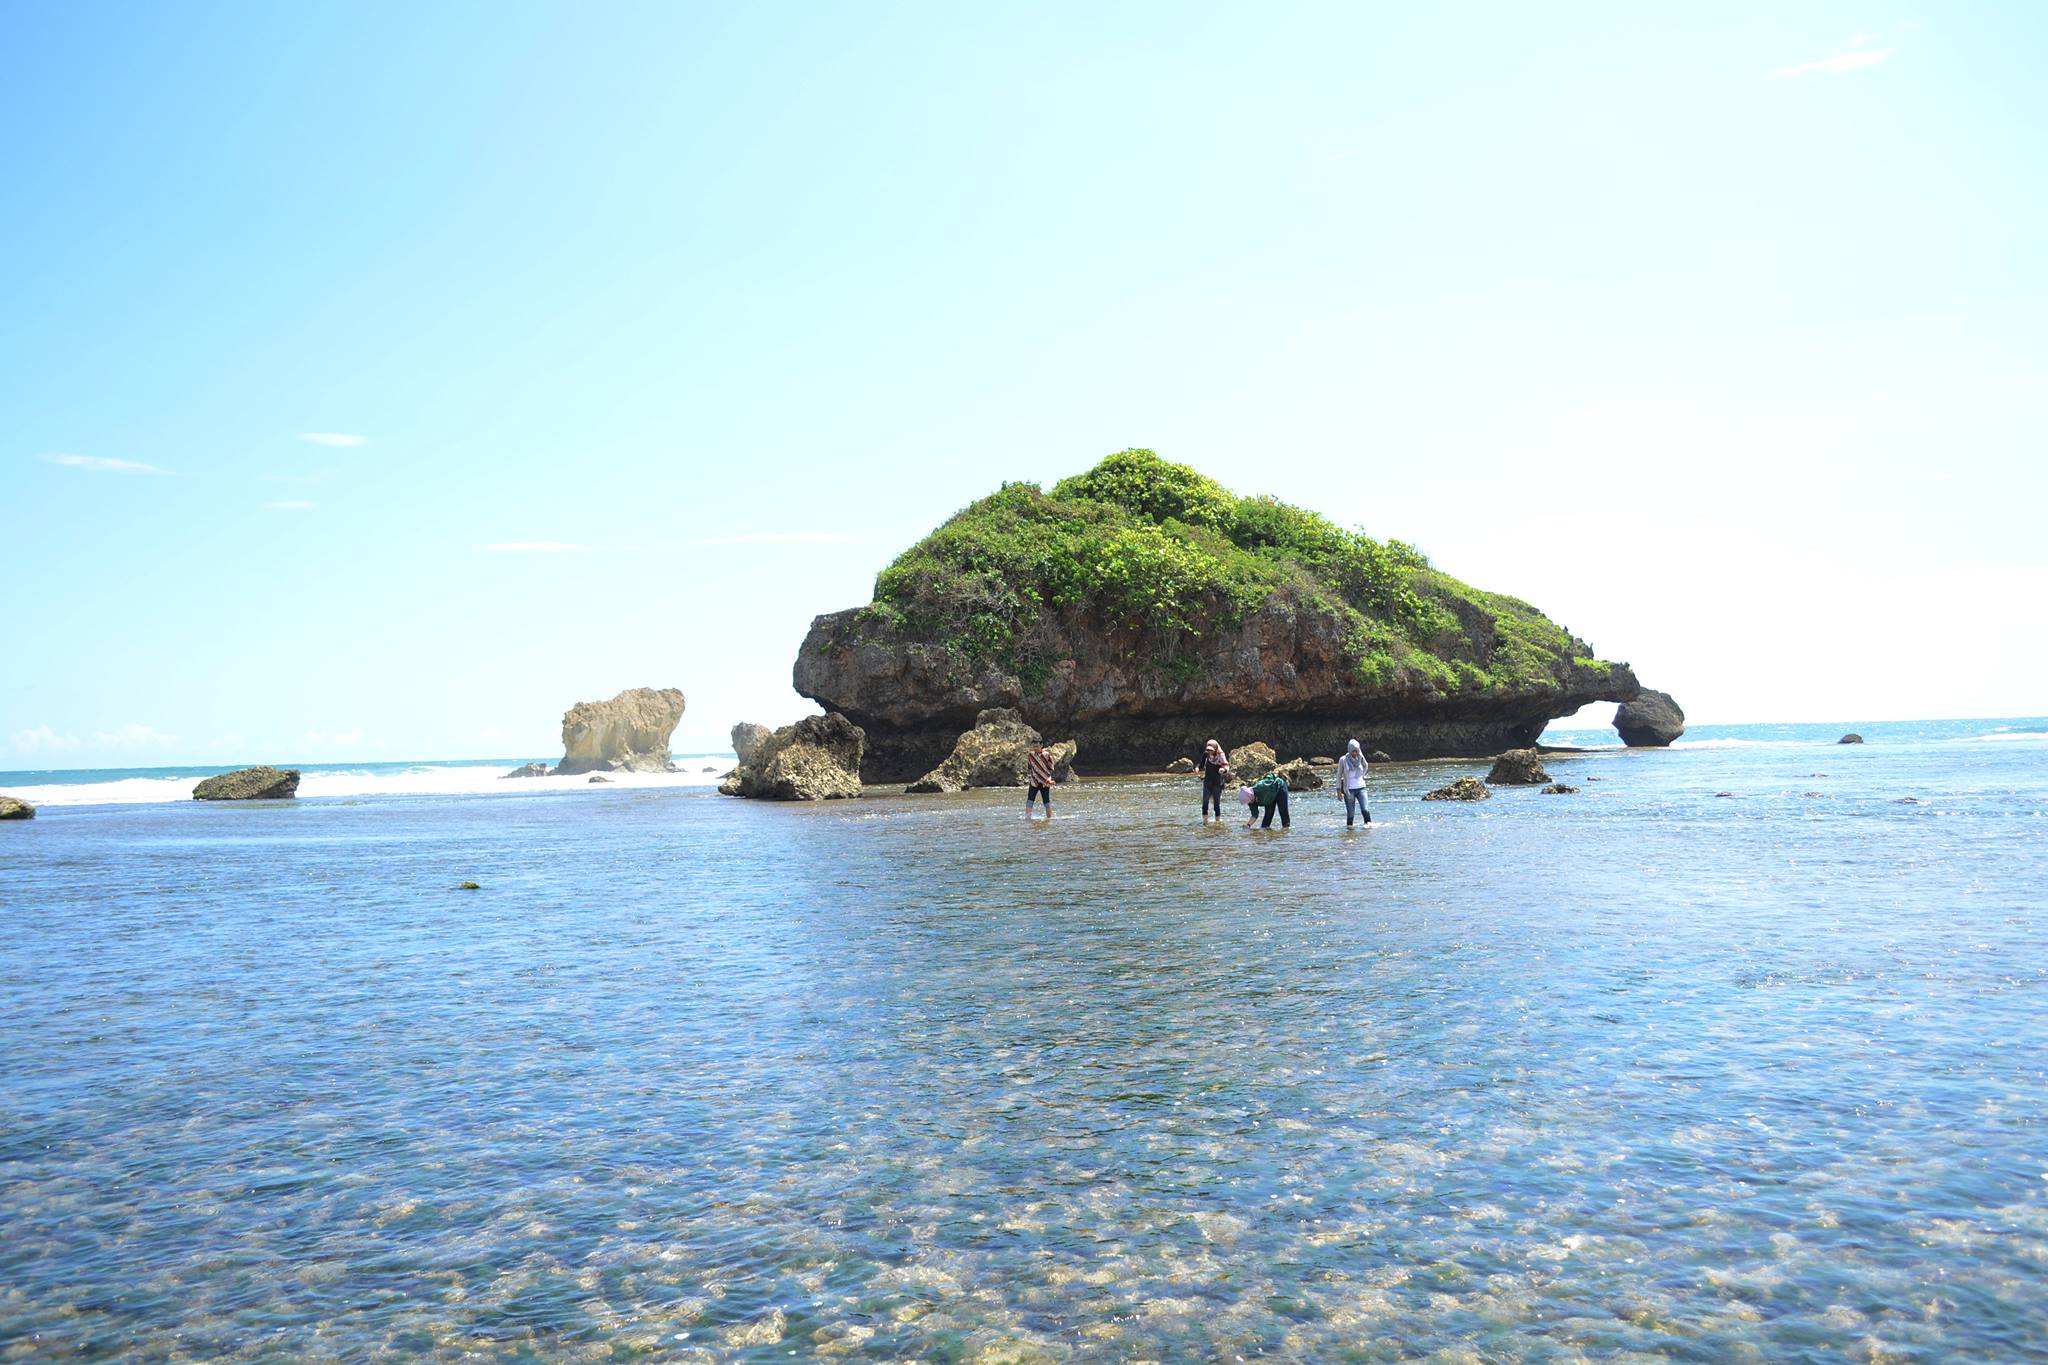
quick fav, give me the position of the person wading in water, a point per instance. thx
(1269, 794)
(1215, 772)
(1038, 773)
(1351, 770)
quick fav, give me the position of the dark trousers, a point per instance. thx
(1033, 793)
(1212, 795)
(1279, 804)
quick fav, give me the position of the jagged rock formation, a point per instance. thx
(528, 770)
(1651, 721)
(1141, 608)
(14, 808)
(250, 784)
(993, 754)
(746, 740)
(1518, 768)
(630, 732)
(1301, 776)
(1464, 789)
(816, 759)
(1250, 762)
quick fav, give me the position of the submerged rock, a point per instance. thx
(14, 808)
(1250, 762)
(529, 770)
(1518, 768)
(816, 759)
(1464, 789)
(1301, 775)
(1651, 721)
(1560, 789)
(467, 886)
(1850, 739)
(993, 754)
(747, 738)
(631, 732)
(1181, 765)
(599, 777)
(249, 784)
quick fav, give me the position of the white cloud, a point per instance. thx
(102, 463)
(341, 739)
(290, 505)
(134, 737)
(1856, 60)
(332, 438)
(41, 740)
(533, 547)
(777, 538)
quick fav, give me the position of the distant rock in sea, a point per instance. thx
(250, 784)
(1250, 762)
(1464, 789)
(746, 739)
(629, 732)
(816, 759)
(993, 754)
(1651, 721)
(529, 770)
(599, 777)
(1560, 789)
(1518, 768)
(14, 808)
(1850, 739)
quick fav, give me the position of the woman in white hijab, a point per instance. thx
(1351, 770)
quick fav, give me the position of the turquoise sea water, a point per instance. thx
(1647, 1072)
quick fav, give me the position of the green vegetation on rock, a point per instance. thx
(1178, 555)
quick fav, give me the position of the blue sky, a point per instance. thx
(1718, 334)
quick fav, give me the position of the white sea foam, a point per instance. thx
(420, 780)
(2007, 737)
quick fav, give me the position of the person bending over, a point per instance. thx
(1039, 774)
(1215, 772)
(1268, 794)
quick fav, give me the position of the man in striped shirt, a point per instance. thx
(1038, 772)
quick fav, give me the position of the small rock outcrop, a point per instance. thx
(1379, 756)
(746, 740)
(1651, 721)
(1301, 775)
(1850, 739)
(1323, 761)
(1464, 789)
(1250, 762)
(599, 777)
(993, 754)
(630, 732)
(529, 770)
(1560, 789)
(249, 784)
(1181, 766)
(816, 759)
(1518, 768)
(14, 808)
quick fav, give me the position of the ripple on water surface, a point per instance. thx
(1639, 1071)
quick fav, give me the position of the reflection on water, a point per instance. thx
(1638, 1071)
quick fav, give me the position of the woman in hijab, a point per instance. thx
(1351, 770)
(1215, 772)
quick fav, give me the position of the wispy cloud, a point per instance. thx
(40, 740)
(332, 438)
(290, 505)
(776, 538)
(1857, 58)
(533, 547)
(135, 737)
(101, 463)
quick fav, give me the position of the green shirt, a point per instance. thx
(1268, 789)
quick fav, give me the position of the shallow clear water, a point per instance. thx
(1643, 1071)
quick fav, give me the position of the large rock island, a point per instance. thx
(1141, 608)
(629, 732)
